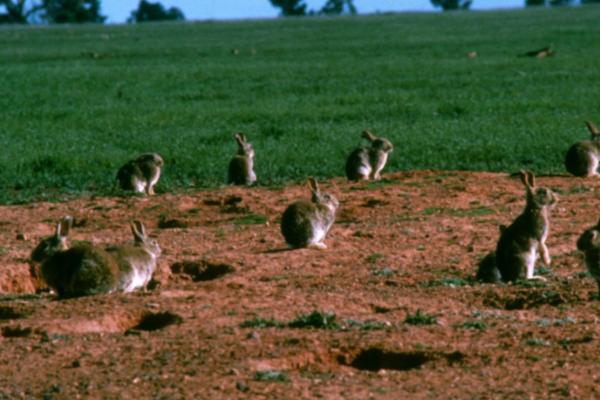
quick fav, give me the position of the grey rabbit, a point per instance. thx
(241, 166)
(367, 162)
(519, 243)
(582, 157)
(306, 223)
(141, 174)
(85, 269)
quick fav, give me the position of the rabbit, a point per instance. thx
(367, 162)
(582, 157)
(518, 246)
(241, 166)
(589, 244)
(48, 246)
(84, 269)
(73, 271)
(304, 223)
(137, 262)
(141, 174)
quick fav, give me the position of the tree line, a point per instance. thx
(88, 11)
(78, 11)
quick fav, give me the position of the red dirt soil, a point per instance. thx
(408, 243)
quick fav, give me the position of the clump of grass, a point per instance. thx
(373, 258)
(366, 325)
(271, 376)
(261, 323)
(420, 318)
(530, 283)
(479, 325)
(537, 342)
(385, 272)
(316, 319)
(451, 282)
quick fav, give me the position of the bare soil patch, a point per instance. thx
(218, 322)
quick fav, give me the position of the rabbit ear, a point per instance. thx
(531, 179)
(528, 179)
(138, 230)
(369, 136)
(63, 227)
(241, 138)
(592, 128)
(312, 184)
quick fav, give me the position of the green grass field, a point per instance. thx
(77, 102)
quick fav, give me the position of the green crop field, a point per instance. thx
(78, 101)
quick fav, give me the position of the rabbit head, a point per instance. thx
(151, 158)
(141, 239)
(378, 143)
(244, 148)
(537, 197)
(55, 243)
(322, 198)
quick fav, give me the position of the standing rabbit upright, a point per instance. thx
(141, 174)
(306, 223)
(84, 269)
(582, 157)
(241, 166)
(367, 162)
(519, 243)
(589, 244)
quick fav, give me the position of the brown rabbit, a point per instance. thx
(141, 174)
(582, 157)
(304, 223)
(517, 249)
(367, 162)
(241, 167)
(589, 244)
(85, 269)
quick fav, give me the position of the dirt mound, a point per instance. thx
(389, 310)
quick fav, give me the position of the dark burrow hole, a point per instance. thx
(7, 313)
(202, 270)
(375, 359)
(156, 321)
(16, 331)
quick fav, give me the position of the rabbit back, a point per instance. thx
(304, 223)
(241, 171)
(589, 244)
(358, 165)
(517, 248)
(131, 177)
(80, 271)
(136, 266)
(297, 225)
(487, 270)
(582, 158)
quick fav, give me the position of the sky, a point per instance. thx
(118, 10)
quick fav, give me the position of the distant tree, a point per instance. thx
(337, 7)
(147, 11)
(19, 11)
(529, 3)
(290, 7)
(447, 5)
(72, 11)
(589, 1)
